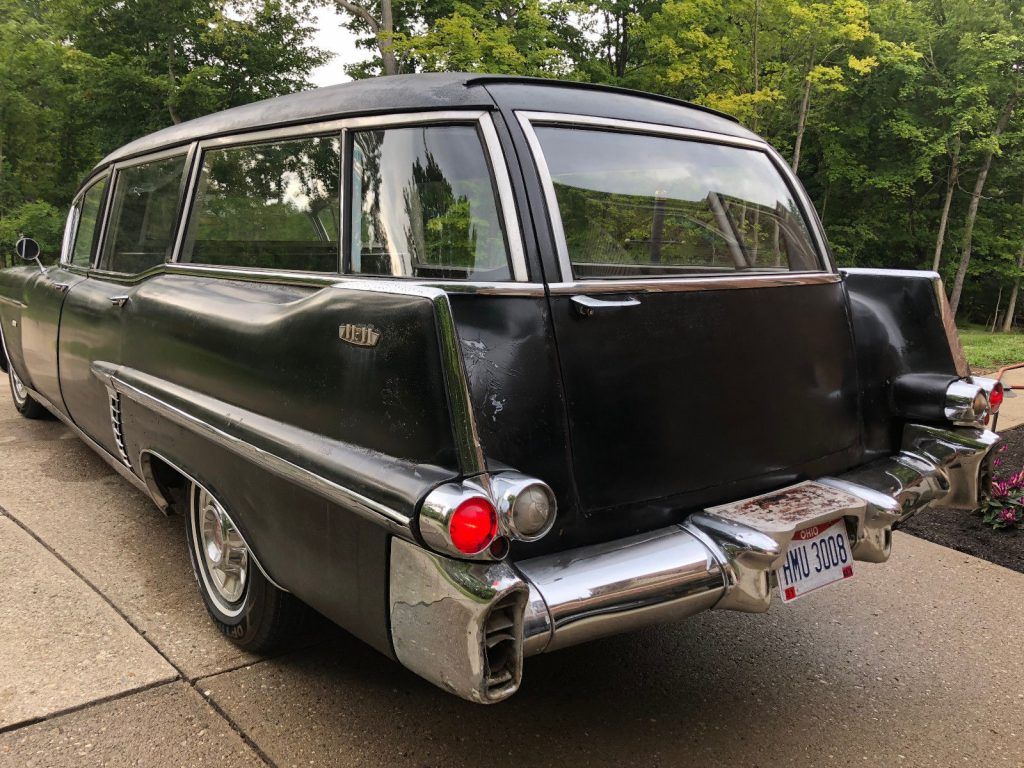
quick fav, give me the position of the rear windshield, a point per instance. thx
(635, 205)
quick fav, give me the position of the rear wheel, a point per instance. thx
(242, 602)
(23, 401)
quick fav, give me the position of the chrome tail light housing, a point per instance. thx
(524, 509)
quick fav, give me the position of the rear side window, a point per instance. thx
(143, 215)
(424, 205)
(272, 205)
(87, 229)
(635, 205)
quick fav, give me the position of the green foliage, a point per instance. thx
(989, 351)
(39, 220)
(79, 78)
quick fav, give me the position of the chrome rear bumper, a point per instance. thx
(467, 626)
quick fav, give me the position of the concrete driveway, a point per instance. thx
(107, 658)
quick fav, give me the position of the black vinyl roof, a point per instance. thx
(431, 92)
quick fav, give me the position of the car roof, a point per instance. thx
(431, 92)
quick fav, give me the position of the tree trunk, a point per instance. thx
(940, 239)
(801, 123)
(972, 210)
(175, 117)
(383, 28)
(1011, 307)
(386, 39)
(995, 317)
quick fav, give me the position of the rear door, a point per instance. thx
(138, 237)
(703, 339)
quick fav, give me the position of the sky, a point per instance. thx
(331, 36)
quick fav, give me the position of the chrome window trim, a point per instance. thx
(341, 127)
(528, 120)
(315, 279)
(70, 231)
(696, 283)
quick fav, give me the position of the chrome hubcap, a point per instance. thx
(222, 548)
(20, 393)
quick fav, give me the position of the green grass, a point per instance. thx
(991, 350)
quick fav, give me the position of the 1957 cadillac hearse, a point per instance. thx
(481, 367)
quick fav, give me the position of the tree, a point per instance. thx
(380, 20)
(499, 38)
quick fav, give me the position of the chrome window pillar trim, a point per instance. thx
(393, 520)
(468, 448)
(341, 127)
(193, 167)
(502, 179)
(70, 231)
(529, 119)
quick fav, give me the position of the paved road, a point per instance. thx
(106, 658)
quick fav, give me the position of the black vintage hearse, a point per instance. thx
(481, 367)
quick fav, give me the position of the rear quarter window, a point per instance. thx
(424, 205)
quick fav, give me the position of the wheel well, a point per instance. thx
(167, 484)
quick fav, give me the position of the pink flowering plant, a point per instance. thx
(1005, 507)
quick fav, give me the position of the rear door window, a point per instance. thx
(143, 215)
(273, 205)
(86, 235)
(637, 205)
(424, 205)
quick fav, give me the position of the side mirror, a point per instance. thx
(29, 250)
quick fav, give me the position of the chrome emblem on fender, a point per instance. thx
(359, 335)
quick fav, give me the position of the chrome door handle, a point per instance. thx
(60, 287)
(119, 301)
(588, 305)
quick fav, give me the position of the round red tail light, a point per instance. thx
(995, 397)
(473, 525)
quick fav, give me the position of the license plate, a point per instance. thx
(818, 556)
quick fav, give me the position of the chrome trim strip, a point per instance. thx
(13, 303)
(354, 501)
(528, 119)
(696, 283)
(467, 440)
(157, 496)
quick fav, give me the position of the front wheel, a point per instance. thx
(242, 602)
(23, 402)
